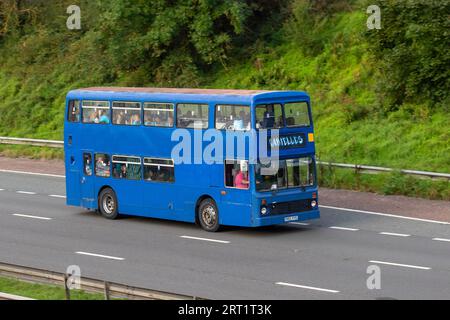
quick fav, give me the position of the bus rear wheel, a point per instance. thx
(108, 205)
(208, 215)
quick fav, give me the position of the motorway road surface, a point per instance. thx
(323, 259)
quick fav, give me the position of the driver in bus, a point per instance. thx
(241, 179)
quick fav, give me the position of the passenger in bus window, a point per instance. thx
(269, 117)
(147, 119)
(87, 165)
(94, 117)
(241, 179)
(135, 120)
(170, 121)
(103, 118)
(123, 171)
(120, 118)
(102, 167)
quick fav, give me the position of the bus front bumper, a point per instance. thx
(286, 218)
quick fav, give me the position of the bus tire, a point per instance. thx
(108, 204)
(208, 215)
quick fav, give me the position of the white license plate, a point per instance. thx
(290, 219)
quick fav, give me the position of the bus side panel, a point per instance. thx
(235, 207)
(129, 195)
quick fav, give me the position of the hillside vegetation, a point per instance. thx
(380, 97)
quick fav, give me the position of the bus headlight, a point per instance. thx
(313, 203)
(263, 211)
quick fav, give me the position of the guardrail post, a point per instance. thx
(66, 287)
(107, 291)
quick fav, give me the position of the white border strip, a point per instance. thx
(344, 229)
(300, 223)
(399, 265)
(33, 173)
(395, 234)
(385, 215)
(441, 239)
(99, 255)
(305, 287)
(204, 239)
(26, 192)
(57, 196)
(31, 217)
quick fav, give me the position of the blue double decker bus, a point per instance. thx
(170, 154)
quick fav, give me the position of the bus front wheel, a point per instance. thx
(208, 215)
(108, 205)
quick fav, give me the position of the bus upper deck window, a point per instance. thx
(269, 116)
(297, 114)
(96, 112)
(127, 113)
(158, 114)
(230, 117)
(193, 116)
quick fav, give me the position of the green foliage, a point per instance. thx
(43, 292)
(412, 52)
(379, 97)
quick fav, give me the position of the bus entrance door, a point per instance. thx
(88, 199)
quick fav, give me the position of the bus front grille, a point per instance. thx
(290, 207)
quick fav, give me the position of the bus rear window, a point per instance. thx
(73, 114)
(297, 114)
(192, 116)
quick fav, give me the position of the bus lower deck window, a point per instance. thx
(87, 164)
(236, 174)
(126, 167)
(102, 165)
(160, 170)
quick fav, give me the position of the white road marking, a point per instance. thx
(57, 196)
(33, 173)
(395, 234)
(26, 192)
(400, 265)
(385, 215)
(2, 189)
(99, 255)
(441, 239)
(31, 217)
(305, 287)
(300, 223)
(204, 239)
(344, 229)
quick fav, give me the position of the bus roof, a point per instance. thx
(195, 94)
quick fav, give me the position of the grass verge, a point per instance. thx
(393, 183)
(42, 291)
